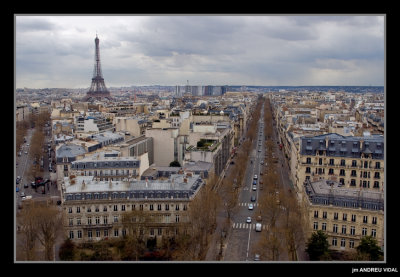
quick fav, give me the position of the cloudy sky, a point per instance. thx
(270, 50)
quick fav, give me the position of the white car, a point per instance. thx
(248, 220)
(254, 187)
(251, 206)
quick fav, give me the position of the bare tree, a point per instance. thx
(49, 222)
(27, 226)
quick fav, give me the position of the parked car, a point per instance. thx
(257, 257)
(254, 187)
(251, 206)
(248, 220)
(253, 198)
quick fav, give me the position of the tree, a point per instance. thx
(369, 249)
(49, 222)
(67, 250)
(317, 246)
(175, 164)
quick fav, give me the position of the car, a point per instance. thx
(251, 206)
(258, 227)
(248, 220)
(26, 152)
(26, 185)
(259, 150)
(254, 182)
(27, 144)
(22, 194)
(257, 257)
(253, 198)
(254, 187)
(255, 177)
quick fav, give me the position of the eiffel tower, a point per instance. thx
(98, 90)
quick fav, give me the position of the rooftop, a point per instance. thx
(87, 184)
(327, 192)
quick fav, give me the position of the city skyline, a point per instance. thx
(260, 50)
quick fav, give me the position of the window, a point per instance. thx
(353, 163)
(122, 207)
(365, 164)
(97, 220)
(115, 232)
(105, 219)
(344, 229)
(106, 233)
(353, 182)
(89, 221)
(97, 209)
(141, 207)
(351, 243)
(331, 171)
(308, 170)
(177, 207)
(335, 228)
(79, 234)
(308, 161)
(151, 207)
(104, 208)
(115, 208)
(353, 218)
(70, 210)
(315, 225)
(377, 175)
(374, 220)
(320, 161)
(377, 165)
(353, 173)
(324, 226)
(151, 231)
(365, 219)
(89, 234)
(324, 214)
(78, 221)
(158, 207)
(345, 217)
(342, 162)
(315, 214)
(342, 242)
(373, 233)
(167, 207)
(335, 216)
(352, 230)
(78, 209)
(115, 218)
(159, 231)
(364, 231)
(177, 218)
(89, 209)
(331, 161)
(376, 185)
(71, 234)
(342, 172)
(97, 233)
(334, 241)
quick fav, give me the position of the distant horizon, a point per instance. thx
(272, 86)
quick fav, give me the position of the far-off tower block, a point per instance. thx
(98, 90)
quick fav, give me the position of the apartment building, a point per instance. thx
(107, 166)
(344, 214)
(94, 210)
(354, 162)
